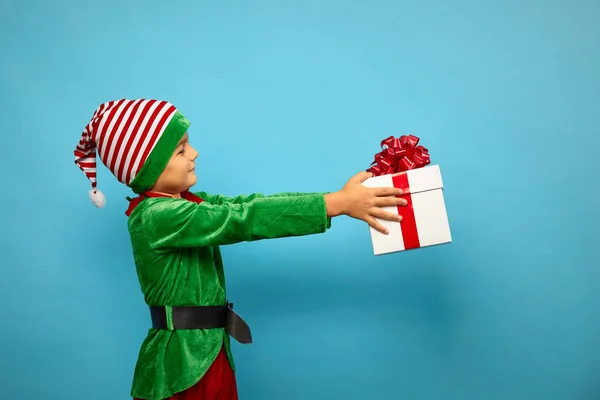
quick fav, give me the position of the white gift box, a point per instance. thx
(425, 221)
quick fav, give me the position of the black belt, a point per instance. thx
(202, 317)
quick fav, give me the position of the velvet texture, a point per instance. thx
(176, 252)
(217, 384)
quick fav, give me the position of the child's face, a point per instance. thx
(179, 174)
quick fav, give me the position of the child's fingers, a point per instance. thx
(388, 216)
(390, 201)
(387, 191)
(376, 225)
(362, 176)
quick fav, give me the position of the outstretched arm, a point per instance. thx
(219, 199)
(173, 223)
(170, 223)
(354, 199)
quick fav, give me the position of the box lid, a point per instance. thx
(411, 181)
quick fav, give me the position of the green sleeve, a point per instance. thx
(176, 223)
(221, 199)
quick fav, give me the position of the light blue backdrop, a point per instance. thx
(296, 96)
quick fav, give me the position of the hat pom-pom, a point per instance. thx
(97, 198)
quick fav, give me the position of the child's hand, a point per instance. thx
(364, 203)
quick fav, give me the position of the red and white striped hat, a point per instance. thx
(134, 139)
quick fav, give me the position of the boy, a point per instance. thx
(176, 234)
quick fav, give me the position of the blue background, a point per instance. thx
(296, 96)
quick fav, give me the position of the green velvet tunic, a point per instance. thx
(176, 251)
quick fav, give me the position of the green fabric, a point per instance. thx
(161, 154)
(176, 252)
(169, 314)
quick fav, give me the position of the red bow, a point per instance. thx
(398, 155)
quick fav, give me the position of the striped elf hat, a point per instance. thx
(134, 139)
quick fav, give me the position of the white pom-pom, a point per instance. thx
(97, 198)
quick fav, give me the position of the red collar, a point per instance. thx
(133, 203)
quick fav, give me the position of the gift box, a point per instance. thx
(404, 164)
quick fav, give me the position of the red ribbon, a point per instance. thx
(398, 155)
(408, 226)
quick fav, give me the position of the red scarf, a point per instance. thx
(133, 203)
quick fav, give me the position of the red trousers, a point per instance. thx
(217, 384)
